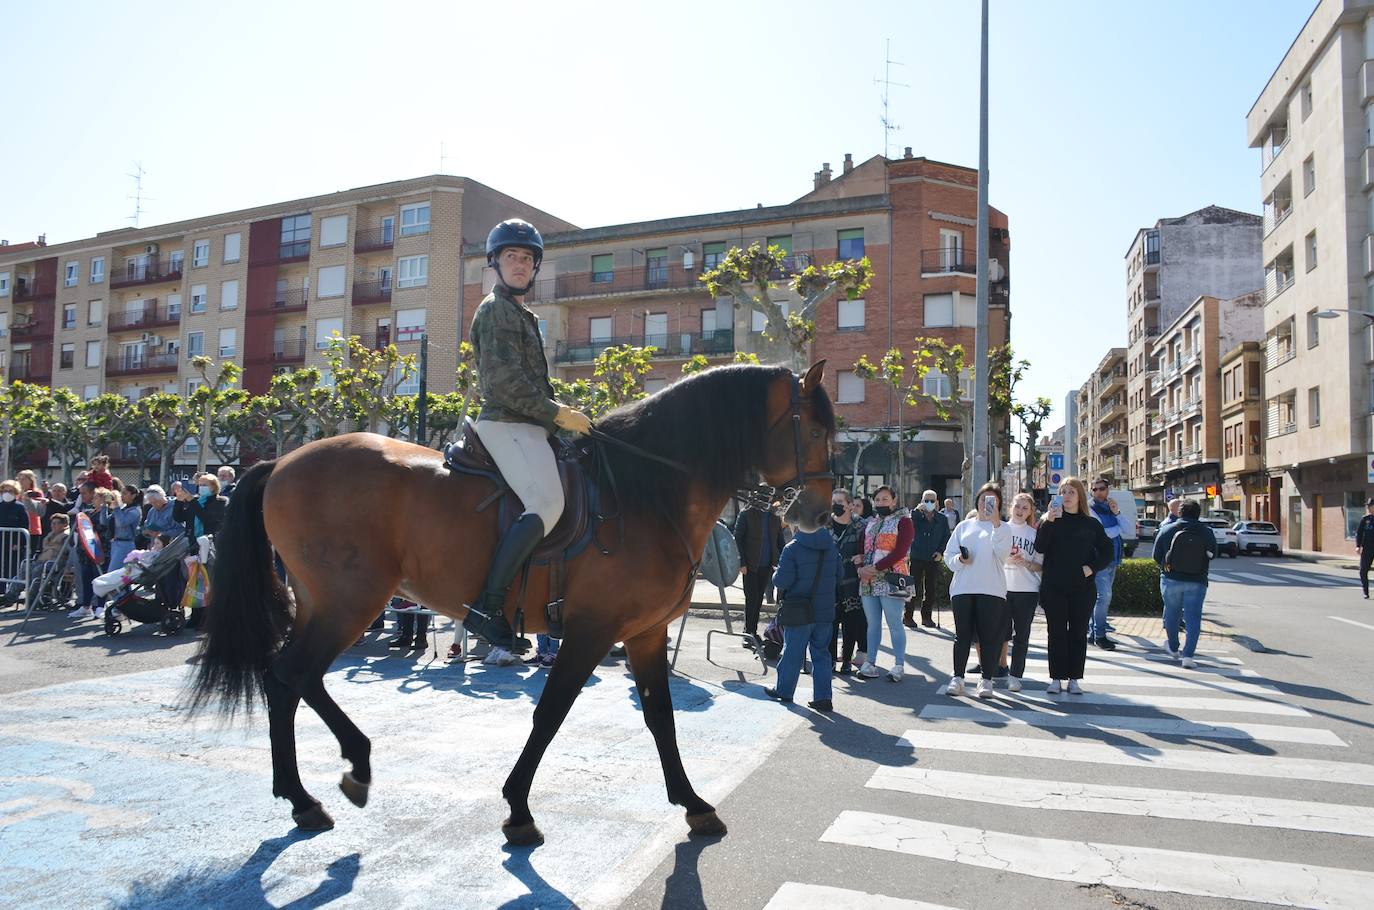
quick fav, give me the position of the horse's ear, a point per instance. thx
(814, 376)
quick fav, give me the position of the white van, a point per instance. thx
(1125, 501)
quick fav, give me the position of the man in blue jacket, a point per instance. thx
(1184, 550)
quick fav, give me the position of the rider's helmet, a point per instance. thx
(515, 232)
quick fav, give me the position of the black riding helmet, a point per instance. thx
(515, 232)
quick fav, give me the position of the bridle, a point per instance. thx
(793, 487)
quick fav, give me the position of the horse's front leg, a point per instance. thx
(577, 657)
(649, 659)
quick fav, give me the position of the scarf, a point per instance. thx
(200, 527)
(1111, 524)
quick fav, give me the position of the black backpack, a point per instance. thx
(1190, 550)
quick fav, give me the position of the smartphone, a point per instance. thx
(989, 504)
(963, 551)
(1056, 502)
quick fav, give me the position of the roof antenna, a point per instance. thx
(442, 158)
(886, 82)
(138, 196)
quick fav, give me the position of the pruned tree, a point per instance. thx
(365, 379)
(216, 395)
(617, 378)
(175, 421)
(19, 411)
(1032, 417)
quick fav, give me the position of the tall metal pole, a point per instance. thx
(422, 405)
(980, 441)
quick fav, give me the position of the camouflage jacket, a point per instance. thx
(512, 372)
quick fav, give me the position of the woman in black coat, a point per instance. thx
(1075, 548)
(848, 533)
(202, 512)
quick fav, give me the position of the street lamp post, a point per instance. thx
(981, 438)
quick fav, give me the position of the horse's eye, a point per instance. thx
(815, 434)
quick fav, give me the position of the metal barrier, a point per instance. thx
(16, 560)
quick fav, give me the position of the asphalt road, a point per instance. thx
(1243, 783)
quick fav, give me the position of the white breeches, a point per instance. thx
(522, 452)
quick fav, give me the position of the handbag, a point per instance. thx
(798, 611)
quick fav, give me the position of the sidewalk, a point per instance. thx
(1330, 560)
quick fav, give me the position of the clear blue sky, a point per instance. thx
(1105, 116)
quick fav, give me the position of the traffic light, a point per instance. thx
(1211, 489)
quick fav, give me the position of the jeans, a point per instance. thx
(1066, 616)
(544, 645)
(755, 583)
(980, 616)
(1021, 610)
(875, 609)
(1183, 597)
(795, 641)
(1097, 626)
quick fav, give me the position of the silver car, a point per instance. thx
(1258, 536)
(1147, 528)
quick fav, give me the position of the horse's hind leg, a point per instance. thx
(307, 812)
(649, 658)
(355, 747)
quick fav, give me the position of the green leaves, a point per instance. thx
(617, 378)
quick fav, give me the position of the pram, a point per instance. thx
(152, 593)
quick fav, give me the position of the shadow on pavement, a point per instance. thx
(682, 888)
(542, 895)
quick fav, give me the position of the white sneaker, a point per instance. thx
(956, 686)
(98, 612)
(1052, 688)
(1189, 663)
(83, 612)
(860, 658)
(985, 689)
(1013, 684)
(895, 674)
(870, 671)
(1075, 688)
(499, 657)
(1170, 651)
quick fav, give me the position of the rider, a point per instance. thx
(518, 414)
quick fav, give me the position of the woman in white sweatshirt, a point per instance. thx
(1023, 585)
(978, 591)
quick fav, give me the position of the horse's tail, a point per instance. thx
(249, 610)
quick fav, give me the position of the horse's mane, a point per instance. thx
(714, 423)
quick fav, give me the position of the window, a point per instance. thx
(410, 324)
(173, 306)
(603, 267)
(939, 310)
(1311, 246)
(406, 385)
(295, 237)
(233, 244)
(1309, 175)
(1305, 99)
(91, 391)
(67, 356)
(95, 312)
(325, 329)
(654, 386)
(656, 267)
(543, 330)
(330, 281)
(73, 274)
(97, 270)
(1314, 407)
(415, 219)
(851, 243)
(198, 298)
(195, 344)
(599, 328)
(228, 342)
(4, 284)
(4, 330)
(68, 315)
(851, 315)
(333, 231)
(851, 390)
(413, 271)
(782, 240)
(191, 386)
(200, 254)
(92, 354)
(1313, 329)
(1354, 511)
(712, 254)
(229, 295)
(656, 330)
(935, 384)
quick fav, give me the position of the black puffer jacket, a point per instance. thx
(1069, 543)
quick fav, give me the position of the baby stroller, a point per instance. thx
(152, 594)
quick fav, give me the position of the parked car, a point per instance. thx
(1227, 540)
(1258, 536)
(1147, 528)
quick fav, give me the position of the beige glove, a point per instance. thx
(573, 419)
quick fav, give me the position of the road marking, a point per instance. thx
(1171, 702)
(796, 896)
(1141, 756)
(1312, 579)
(1064, 796)
(1146, 868)
(982, 713)
(1233, 687)
(1352, 622)
(1043, 643)
(1252, 576)
(1157, 657)
(1158, 667)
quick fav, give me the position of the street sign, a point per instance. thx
(1056, 479)
(1057, 462)
(1370, 466)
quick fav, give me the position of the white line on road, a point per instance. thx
(982, 712)
(1138, 756)
(1171, 702)
(796, 896)
(1204, 684)
(1252, 576)
(1352, 622)
(1065, 796)
(1147, 868)
(1043, 643)
(1155, 668)
(1327, 580)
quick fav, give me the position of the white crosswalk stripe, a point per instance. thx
(1155, 681)
(1352, 622)
(1043, 643)
(1159, 667)
(1161, 702)
(797, 896)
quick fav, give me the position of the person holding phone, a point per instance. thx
(1023, 587)
(887, 552)
(1076, 548)
(977, 553)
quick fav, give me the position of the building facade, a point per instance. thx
(1244, 479)
(1100, 439)
(1312, 124)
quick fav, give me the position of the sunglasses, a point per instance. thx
(1099, 489)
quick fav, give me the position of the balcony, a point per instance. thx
(383, 238)
(1190, 456)
(1112, 381)
(153, 272)
(1189, 406)
(1112, 440)
(30, 289)
(366, 293)
(31, 330)
(1111, 410)
(710, 344)
(941, 261)
(1283, 354)
(1367, 167)
(140, 364)
(634, 279)
(293, 300)
(1188, 361)
(150, 316)
(35, 368)
(283, 352)
(1366, 81)
(293, 251)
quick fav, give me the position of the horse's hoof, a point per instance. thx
(313, 819)
(706, 824)
(526, 835)
(354, 789)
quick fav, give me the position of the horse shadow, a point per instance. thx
(241, 887)
(498, 684)
(542, 895)
(682, 887)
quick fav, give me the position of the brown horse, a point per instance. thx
(421, 536)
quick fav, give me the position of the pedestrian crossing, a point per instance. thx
(1188, 748)
(1302, 579)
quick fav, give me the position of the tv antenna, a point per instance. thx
(442, 158)
(886, 82)
(138, 196)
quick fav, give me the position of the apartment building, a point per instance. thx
(126, 310)
(913, 218)
(1070, 429)
(1186, 385)
(1100, 438)
(1213, 251)
(1312, 124)
(1244, 480)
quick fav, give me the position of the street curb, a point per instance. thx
(1335, 562)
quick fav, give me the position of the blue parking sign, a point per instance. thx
(1056, 461)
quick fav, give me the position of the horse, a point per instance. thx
(719, 430)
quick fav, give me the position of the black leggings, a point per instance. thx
(981, 616)
(1067, 614)
(855, 628)
(1020, 614)
(1366, 557)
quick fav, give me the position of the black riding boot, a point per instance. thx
(486, 617)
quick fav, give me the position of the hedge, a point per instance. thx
(1135, 590)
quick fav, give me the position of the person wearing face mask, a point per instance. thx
(977, 553)
(847, 532)
(887, 551)
(12, 515)
(201, 514)
(930, 535)
(1023, 586)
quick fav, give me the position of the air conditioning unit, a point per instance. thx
(153, 340)
(144, 337)
(151, 249)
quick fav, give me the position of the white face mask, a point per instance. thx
(928, 506)
(8, 497)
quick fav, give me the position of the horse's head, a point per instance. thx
(801, 427)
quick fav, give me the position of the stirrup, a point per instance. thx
(495, 630)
